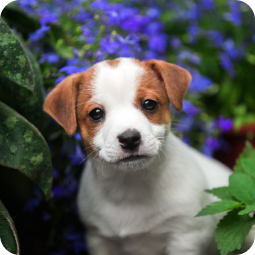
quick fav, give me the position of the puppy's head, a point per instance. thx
(121, 108)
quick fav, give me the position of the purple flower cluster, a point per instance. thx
(199, 83)
(223, 124)
(234, 14)
(210, 145)
(190, 109)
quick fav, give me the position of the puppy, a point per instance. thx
(141, 186)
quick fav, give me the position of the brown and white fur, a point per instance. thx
(143, 201)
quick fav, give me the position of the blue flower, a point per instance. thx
(28, 5)
(58, 80)
(40, 33)
(227, 64)
(55, 173)
(100, 55)
(206, 4)
(193, 12)
(153, 13)
(190, 109)
(128, 40)
(216, 37)
(58, 191)
(223, 124)
(193, 32)
(78, 157)
(30, 205)
(72, 69)
(50, 18)
(77, 137)
(70, 185)
(175, 42)
(108, 45)
(67, 189)
(89, 36)
(186, 123)
(199, 83)
(99, 5)
(150, 54)
(83, 15)
(51, 58)
(230, 49)
(187, 55)
(235, 14)
(157, 43)
(186, 139)
(135, 23)
(72, 61)
(113, 14)
(211, 145)
(153, 28)
(128, 13)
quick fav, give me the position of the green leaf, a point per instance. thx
(242, 187)
(221, 192)
(8, 233)
(232, 231)
(22, 147)
(247, 210)
(16, 17)
(218, 207)
(248, 153)
(18, 98)
(249, 166)
(14, 63)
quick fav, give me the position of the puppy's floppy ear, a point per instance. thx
(175, 78)
(61, 101)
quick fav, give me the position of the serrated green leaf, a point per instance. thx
(247, 210)
(221, 192)
(8, 233)
(14, 63)
(248, 153)
(249, 166)
(218, 207)
(22, 147)
(242, 187)
(232, 231)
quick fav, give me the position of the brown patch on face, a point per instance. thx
(152, 88)
(113, 63)
(175, 78)
(88, 128)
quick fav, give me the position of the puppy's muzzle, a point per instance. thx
(129, 140)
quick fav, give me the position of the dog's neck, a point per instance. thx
(128, 185)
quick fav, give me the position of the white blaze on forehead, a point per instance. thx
(116, 84)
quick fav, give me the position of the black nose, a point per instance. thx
(130, 139)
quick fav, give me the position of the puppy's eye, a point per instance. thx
(96, 114)
(149, 105)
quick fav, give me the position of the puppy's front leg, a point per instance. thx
(193, 238)
(189, 244)
(99, 245)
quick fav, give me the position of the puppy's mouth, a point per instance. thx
(133, 158)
